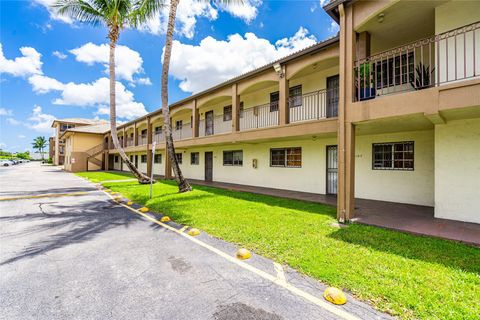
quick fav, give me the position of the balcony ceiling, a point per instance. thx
(403, 22)
(317, 67)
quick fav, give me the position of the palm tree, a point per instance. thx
(115, 15)
(183, 185)
(40, 143)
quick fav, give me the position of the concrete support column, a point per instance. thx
(283, 93)
(107, 161)
(149, 143)
(135, 134)
(235, 109)
(346, 130)
(195, 119)
(124, 141)
(363, 45)
(168, 165)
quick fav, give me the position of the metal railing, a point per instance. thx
(142, 139)
(447, 57)
(218, 126)
(158, 137)
(130, 142)
(314, 105)
(184, 132)
(259, 117)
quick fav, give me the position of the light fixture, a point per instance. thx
(279, 69)
(381, 17)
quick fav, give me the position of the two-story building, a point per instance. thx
(388, 110)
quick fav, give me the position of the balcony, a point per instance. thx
(433, 61)
(259, 117)
(216, 125)
(183, 132)
(142, 139)
(130, 142)
(158, 137)
(314, 105)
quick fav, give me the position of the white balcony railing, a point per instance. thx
(443, 58)
(142, 140)
(129, 142)
(218, 126)
(185, 132)
(159, 137)
(259, 117)
(314, 105)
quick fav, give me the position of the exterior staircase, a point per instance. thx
(93, 152)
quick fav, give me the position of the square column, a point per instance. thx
(235, 109)
(283, 93)
(195, 119)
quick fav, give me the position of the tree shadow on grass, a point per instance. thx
(448, 253)
(67, 225)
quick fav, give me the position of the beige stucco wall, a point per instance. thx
(75, 146)
(309, 178)
(414, 187)
(457, 170)
(142, 166)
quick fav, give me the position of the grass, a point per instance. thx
(408, 276)
(97, 176)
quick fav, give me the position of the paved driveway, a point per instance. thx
(83, 256)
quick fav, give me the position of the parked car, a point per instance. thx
(5, 163)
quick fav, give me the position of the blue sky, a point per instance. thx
(52, 67)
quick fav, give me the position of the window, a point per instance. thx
(131, 158)
(387, 69)
(158, 158)
(295, 96)
(116, 159)
(286, 157)
(179, 157)
(393, 156)
(144, 132)
(194, 158)
(143, 158)
(158, 130)
(227, 113)
(178, 125)
(274, 98)
(233, 158)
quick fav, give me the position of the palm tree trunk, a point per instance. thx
(183, 185)
(143, 179)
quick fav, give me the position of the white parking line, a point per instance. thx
(280, 274)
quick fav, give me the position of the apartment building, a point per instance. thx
(57, 143)
(387, 110)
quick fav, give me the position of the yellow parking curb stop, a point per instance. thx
(129, 203)
(193, 232)
(335, 295)
(165, 219)
(243, 254)
(143, 209)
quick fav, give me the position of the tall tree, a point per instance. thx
(183, 184)
(40, 143)
(115, 15)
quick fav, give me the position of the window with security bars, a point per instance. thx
(143, 158)
(157, 158)
(393, 156)
(179, 157)
(178, 125)
(286, 157)
(394, 71)
(227, 113)
(194, 158)
(233, 158)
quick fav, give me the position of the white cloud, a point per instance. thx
(53, 15)
(334, 27)
(28, 64)
(213, 61)
(21, 136)
(127, 61)
(95, 94)
(13, 122)
(5, 112)
(59, 55)
(40, 121)
(323, 2)
(246, 10)
(3, 145)
(144, 81)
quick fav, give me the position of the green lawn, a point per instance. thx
(96, 176)
(405, 275)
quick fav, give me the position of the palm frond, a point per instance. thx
(144, 10)
(79, 10)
